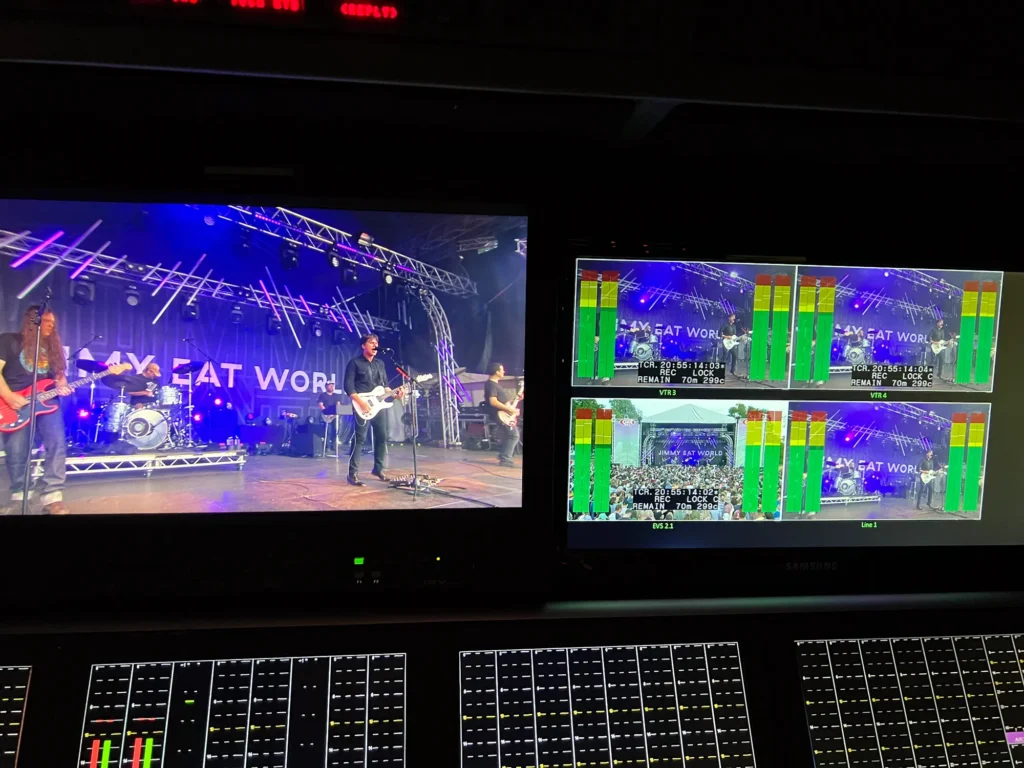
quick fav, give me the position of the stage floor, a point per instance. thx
(289, 484)
(886, 509)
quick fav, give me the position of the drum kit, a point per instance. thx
(165, 423)
(844, 477)
(643, 345)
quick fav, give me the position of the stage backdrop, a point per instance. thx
(256, 372)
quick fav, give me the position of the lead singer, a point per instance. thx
(362, 374)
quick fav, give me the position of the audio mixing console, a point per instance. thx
(13, 698)
(343, 711)
(614, 705)
(915, 702)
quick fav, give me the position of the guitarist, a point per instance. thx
(16, 353)
(730, 331)
(936, 335)
(363, 373)
(927, 464)
(498, 399)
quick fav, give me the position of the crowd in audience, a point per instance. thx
(727, 482)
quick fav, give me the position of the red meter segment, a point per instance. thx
(292, 6)
(369, 11)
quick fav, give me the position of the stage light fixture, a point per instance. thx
(190, 312)
(317, 329)
(333, 258)
(198, 417)
(349, 277)
(245, 237)
(209, 221)
(267, 422)
(337, 336)
(235, 315)
(273, 324)
(365, 240)
(132, 297)
(289, 256)
(83, 413)
(218, 402)
(229, 405)
(387, 278)
(250, 418)
(83, 292)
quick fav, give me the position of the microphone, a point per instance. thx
(387, 351)
(99, 335)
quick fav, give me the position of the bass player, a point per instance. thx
(497, 399)
(16, 360)
(363, 374)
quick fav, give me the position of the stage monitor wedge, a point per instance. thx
(14, 687)
(611, 705)
(259, 358)
(914, 701)
(320, 710)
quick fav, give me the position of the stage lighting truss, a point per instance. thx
(858, 433)
(22, 248)
(451, 391)
(283, 223)
(521, 247)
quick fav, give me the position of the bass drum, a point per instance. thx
(846, 486)
(147, 429)
(855, 355)
(644, 351)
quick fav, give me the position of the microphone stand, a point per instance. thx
(191, 343)
(32, 400)
(411, 383)
(74, 357)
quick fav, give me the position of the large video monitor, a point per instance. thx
(861, 401)
(244, 358)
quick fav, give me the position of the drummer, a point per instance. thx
(142, 387)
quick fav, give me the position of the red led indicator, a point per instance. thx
(187, 2)
(291, 6)
(369, 11)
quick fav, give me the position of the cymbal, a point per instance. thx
(193, 367)
(90, 366)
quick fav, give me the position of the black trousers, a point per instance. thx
(731, 356)
(379, 425)
(924, 489)
(936, 360)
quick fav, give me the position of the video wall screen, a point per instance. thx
(914, 701)
(14, 684)
(333, 711)
(611, 705)
(772, 326)
(237, 358)
(761, 391)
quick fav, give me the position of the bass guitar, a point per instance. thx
(377, 401)
(12, 420)
(507, 418)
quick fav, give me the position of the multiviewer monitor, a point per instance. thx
(250, 358)
(864, 402)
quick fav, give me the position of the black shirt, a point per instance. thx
(493, 388)
(15, 373)
(729, 329)
(362, 375)
(937, 334)
(926, 465)
(330, 401)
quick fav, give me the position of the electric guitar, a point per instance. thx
(12, 420)
(928, 475)
(731, 341)
(938, 346)
(507, 418)
(377, 401)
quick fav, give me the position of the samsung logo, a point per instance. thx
(813, 565)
